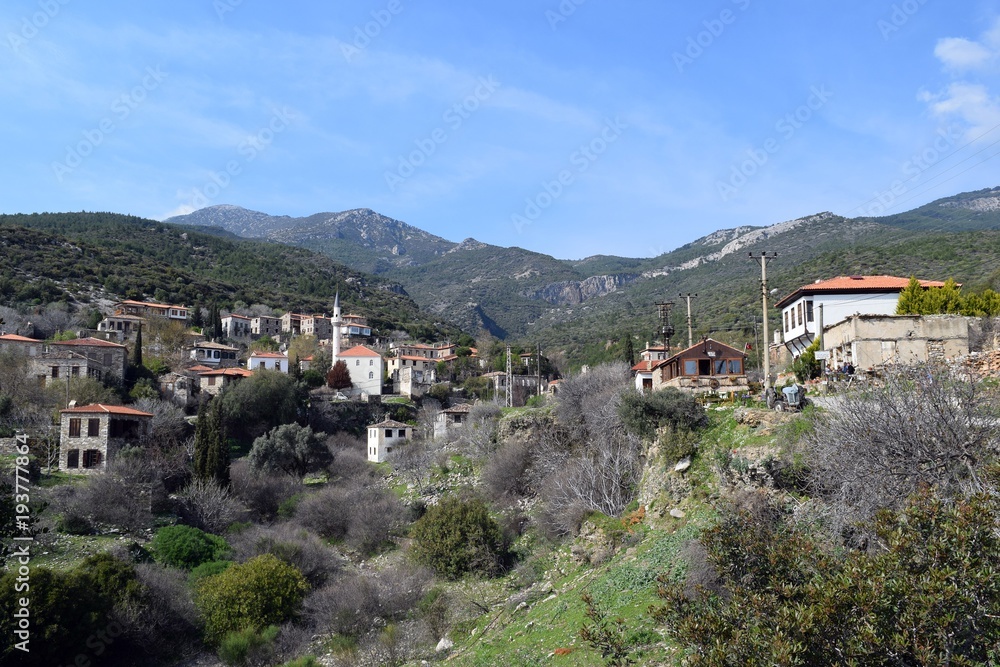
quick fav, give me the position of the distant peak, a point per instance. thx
(469, 244)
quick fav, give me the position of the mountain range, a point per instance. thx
(572, 304)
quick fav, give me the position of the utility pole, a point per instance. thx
(690, 329)
(538, 367)
(509, 400)
(666, 329)
(762, 259)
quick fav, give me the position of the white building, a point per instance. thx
(385, 437)
(268, 361)
(840, 298)
(365, 366)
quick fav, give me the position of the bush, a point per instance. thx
(779, 594)
(262, 493)
(294, 545)
(361, 516)
(206, 505)
(643, 413)
(186, 547)
(458, 536)
(250, 647)
(290, 449)
(209, 569)
(506, 473)
(261, 592)
(68, 610)
(72, 523)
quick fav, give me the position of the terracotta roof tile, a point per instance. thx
(107, 409)
(93, 342)
(855, 284)
(360, 351)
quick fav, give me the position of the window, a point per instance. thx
(388, 433)
(786, 322)
(720, 367)
(458, 419)
(371, 376)
(736, 367)
(93, 427)
(809, 311)
(371, 362)
(55, 371)
(91, 458)
(691, 367)
(75, 371)
(74, 427)
(357, 362)
(107, 358)
(211, 382)
(73, 458)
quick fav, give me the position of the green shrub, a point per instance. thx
(186, 547)
(240, 647)
(72, 523)
(263, 591)
(643, 413)
(209, 569)
(458, 536)
(68, 610)
(304, 661)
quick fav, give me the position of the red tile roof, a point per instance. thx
(648, 366)
(92, 342)
(241, 372)
(107, 409)
(359, 351)
(849, 284)
(151, 304)
(14, 338)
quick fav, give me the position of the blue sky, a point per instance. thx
(573, 128)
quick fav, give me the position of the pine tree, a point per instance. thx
(911, 299)
(196, 319)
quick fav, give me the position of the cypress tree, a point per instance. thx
(137, 350)
(629, 351)
(211, 455)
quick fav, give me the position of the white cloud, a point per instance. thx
(970, 103)
(959, 53)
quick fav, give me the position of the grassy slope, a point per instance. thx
(623, 586)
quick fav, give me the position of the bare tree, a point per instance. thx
(917, 425)
(206, 505)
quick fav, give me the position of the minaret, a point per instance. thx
(337, 323)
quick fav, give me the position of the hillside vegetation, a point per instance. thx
(51, 257)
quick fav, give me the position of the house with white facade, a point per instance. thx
(150, 309)
(214, 354)
(365, 366)
(385, 437)
(839, 298)
(268, 361)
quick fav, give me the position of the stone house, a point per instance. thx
(121, 327)
(236, 327)
(264, 325)
(385, 437)
(454, 417)
(91, 435)
(82, 357)
(213, 382)
(870, 341)
(318, 326)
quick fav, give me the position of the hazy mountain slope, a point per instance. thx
(360, 238)
(968, 211)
